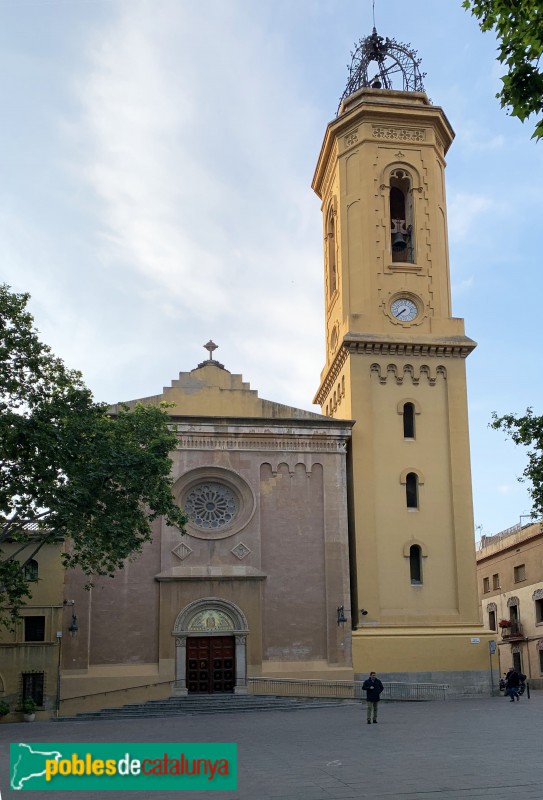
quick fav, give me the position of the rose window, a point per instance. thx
(211, 505)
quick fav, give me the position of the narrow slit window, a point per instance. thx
(409, 421)
(492, 620)
(412, 490)
(415, 564)
(331, 245)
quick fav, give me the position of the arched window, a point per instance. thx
(30, 570)
(412, 490)
(409, 421)
(415, 564)
(331, 247)
(401, 217)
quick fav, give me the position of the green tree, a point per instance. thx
(527, 431)
(69, 469)
(519, 27)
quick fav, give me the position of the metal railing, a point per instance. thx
(513, 631)
(291, 687)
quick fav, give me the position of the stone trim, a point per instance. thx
(202, 441)
(399, 374)
(369, 346)
(391, 133)
(434, 350)
(331, 378)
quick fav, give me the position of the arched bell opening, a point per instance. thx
(401, 217)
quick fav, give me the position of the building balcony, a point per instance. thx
(514, 631)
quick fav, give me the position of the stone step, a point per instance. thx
(204, 704)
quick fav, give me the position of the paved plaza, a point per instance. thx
(475, 748)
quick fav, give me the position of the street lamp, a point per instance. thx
(59, 640)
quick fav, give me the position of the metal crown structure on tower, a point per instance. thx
(379, 63)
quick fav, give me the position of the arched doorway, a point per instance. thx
(210, 648)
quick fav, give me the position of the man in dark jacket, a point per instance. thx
(373, 688)
(512, 682)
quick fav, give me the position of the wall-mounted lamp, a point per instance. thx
(341, 618)
(363, 612)
(72, 627)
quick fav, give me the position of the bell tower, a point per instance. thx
(395, 363)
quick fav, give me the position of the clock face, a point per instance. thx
(404, 309)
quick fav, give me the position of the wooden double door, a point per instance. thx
(210, 664)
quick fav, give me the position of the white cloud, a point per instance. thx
(195, 180)
(475, 139)
(464, 211)
(463, 286)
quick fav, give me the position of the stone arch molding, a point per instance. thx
(410, 169)
(492, 607)
(513, 601)
(229, 610)
(538, 594)
(407, 372)
(408, 545)
(232, 621)
(418, 473)
(402, 403)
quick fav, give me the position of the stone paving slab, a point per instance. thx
(474, 748)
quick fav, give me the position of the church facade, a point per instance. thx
(253, 586)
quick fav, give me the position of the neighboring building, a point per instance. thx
(315, 548)
(29, 654)
(510, 581)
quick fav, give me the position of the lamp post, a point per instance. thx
(59, 640)
(341, 618)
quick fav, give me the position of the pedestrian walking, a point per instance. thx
(373, 688)
(512, 682)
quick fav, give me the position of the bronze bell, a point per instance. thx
(399, 242)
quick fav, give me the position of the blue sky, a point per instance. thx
(156, 158)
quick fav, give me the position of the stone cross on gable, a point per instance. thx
(210, 347)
